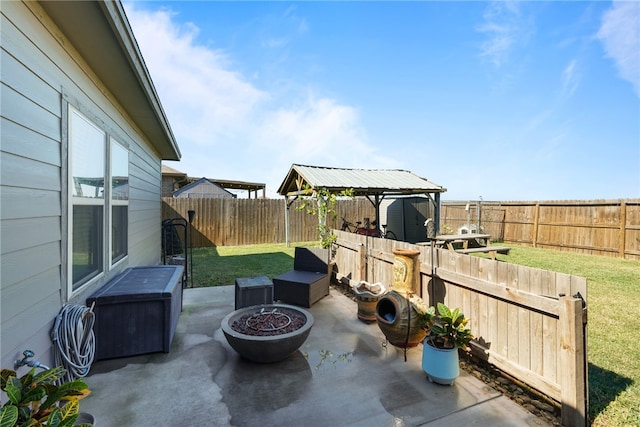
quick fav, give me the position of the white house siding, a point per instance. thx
(40, 73)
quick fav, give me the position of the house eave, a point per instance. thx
(100, 32)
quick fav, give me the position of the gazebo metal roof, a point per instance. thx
(374, 184)
(302, 179)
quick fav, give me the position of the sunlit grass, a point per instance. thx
(613, 303)
(220, 266)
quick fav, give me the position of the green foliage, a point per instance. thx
(446, 328)
(321, 203)
(449, 329)
(37, 400)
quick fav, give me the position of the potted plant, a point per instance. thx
(446, 333)
(40, 399)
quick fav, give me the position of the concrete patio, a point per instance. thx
(343, 375)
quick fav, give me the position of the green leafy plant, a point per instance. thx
(321, 202)
(446, 328)
(38, 399)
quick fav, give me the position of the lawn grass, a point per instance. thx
(220, 266)
(613, 310)
(613, 303)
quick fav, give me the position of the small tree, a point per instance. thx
(322, 203)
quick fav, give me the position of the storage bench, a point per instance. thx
(137, 311)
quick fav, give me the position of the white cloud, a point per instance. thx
(620, 36)
(204, 100)
(570, 78)
(229, 129)
(504, 28)
(539, 120)
(320, 128)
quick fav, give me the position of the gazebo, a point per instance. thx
(374, 184)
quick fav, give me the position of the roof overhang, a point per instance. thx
(100, 32)
(169, 171)
(239, 185)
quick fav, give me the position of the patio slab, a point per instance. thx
(343, 375)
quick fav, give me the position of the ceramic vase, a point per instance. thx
(367, 307)
(406, 271)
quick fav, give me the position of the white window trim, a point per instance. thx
(80, 201)
(116, 202)
(106, 202)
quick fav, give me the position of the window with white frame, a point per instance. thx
(98, 223)
(119, 201)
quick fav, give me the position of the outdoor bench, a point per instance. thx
(491, 250)
(308, 282)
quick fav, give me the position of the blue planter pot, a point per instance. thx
(440, 365)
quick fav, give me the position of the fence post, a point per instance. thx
(572, 371)
(362, 262)
(623, 229)
(536, 218)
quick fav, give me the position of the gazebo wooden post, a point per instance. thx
(436, 214)
(288, 203)
(287, 206)
(377, 198)
(376, 205)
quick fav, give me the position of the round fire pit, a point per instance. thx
(267, 333)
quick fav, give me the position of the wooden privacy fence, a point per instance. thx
(232, 222)
(597, 227)
(530, 323)
(610, 228)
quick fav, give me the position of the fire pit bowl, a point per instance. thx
(267, 333)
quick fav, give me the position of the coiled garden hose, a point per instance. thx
(74, 340)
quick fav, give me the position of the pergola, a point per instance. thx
(374, 184)
(183, 179)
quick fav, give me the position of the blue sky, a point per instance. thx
(499, 100)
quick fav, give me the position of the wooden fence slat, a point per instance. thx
(513, 335)
(502, 340)
(573, 381)
(539, 303)
(536, 345)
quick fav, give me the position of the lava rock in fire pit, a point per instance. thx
(267, 333)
